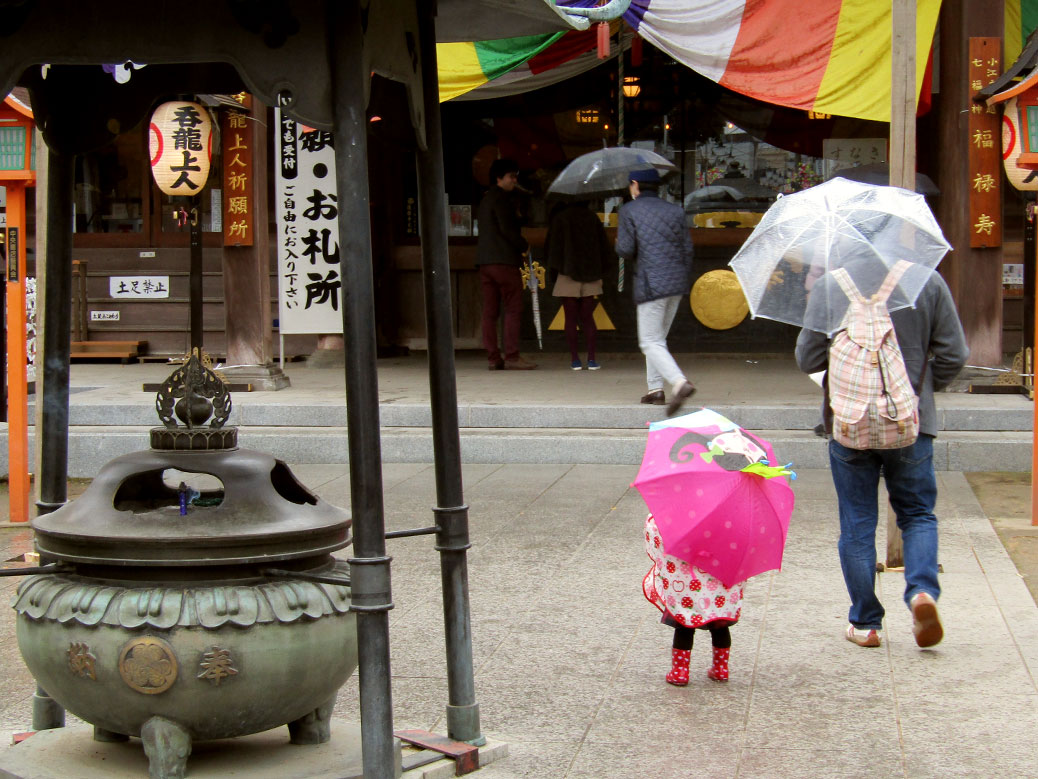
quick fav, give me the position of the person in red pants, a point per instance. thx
(499, 257)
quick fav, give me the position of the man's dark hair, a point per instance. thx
(501, 168)
(649, 186)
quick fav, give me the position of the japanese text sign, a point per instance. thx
(180, 139)
(138, 286)
(985, 146)
(309, 273)
(236, 134)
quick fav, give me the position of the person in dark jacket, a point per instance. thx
(934, 350)
(652, 234)
(578, 249)
(499, 257)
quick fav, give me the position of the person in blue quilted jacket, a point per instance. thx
(652, 235)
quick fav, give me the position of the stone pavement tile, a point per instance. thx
(418, 702)
(16, 712)
(968, 610)
(650, 716)
(967, 668)
(826, 666)
(537, 708)
(958, 736)
(879, 761)
(680, 758)
(530, 759)
(842, 719)
(813, 484)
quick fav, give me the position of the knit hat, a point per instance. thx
(649, 176)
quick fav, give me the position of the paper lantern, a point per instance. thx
(1020, 175)
(181, 146)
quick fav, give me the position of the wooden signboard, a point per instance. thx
(985, 145)
(238, 210)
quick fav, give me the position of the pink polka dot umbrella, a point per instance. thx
(719, 500)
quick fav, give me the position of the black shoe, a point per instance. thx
(655, 398)
(496, 366)
(683, 393)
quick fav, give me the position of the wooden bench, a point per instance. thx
(111, 350)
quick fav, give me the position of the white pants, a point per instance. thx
(654, 321)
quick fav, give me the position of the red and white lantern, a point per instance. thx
(181, 147)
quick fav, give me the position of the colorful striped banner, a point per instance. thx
(466, 66)
(832, 57)
(1021, 19)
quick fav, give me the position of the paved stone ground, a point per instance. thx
(570, 658)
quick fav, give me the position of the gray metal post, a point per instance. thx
(452, 537)
(53, 370)
(370, 564)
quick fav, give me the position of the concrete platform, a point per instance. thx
(550, 415)
(72, 753)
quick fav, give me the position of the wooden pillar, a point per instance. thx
(973, 275)
(246, 281)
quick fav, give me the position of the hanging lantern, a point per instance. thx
(181, 147)
(1020, 174)
(631, 86)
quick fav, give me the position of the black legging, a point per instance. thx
(720, 637)
(582, 310)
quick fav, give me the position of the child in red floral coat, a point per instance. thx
(689, 599)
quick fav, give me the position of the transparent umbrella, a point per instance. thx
(606, 171)
(864, 228)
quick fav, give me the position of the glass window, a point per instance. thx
(108, 187)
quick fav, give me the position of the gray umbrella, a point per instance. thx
(605, 171)
(879, 173)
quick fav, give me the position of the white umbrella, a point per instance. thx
(840, 223)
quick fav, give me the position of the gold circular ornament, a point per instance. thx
(718, 301)
(148, 665)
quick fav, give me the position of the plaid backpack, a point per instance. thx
(873, 403)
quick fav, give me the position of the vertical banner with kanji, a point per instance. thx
(236, 135)
(309, 275)
(985, 144)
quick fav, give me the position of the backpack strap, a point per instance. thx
(847, 285)
(893, 277)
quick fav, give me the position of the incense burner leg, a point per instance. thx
(167, 745)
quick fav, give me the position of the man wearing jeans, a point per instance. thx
(499, 257)
(934, 349)
(653, 235)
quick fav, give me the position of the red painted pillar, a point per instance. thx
(17, 401)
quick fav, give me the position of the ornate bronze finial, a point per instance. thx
(195, 395)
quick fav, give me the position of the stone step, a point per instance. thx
(955, 412)
(954, 450)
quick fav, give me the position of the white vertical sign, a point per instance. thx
(309, 270)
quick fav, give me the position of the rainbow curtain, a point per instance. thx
(829, 56)
(1021, 20)
(466, 66)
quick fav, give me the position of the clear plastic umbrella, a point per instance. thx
(606, 171)
(840, 223)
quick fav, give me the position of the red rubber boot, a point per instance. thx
(678, 675)
(719, 670)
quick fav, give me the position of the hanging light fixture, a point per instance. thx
(631, 87)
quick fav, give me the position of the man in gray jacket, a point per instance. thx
(934, 349)
(653, 235)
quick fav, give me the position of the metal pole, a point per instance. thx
(620, 95)
(55, 343)
(369, 567)
(195, 280)
(452, 521)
